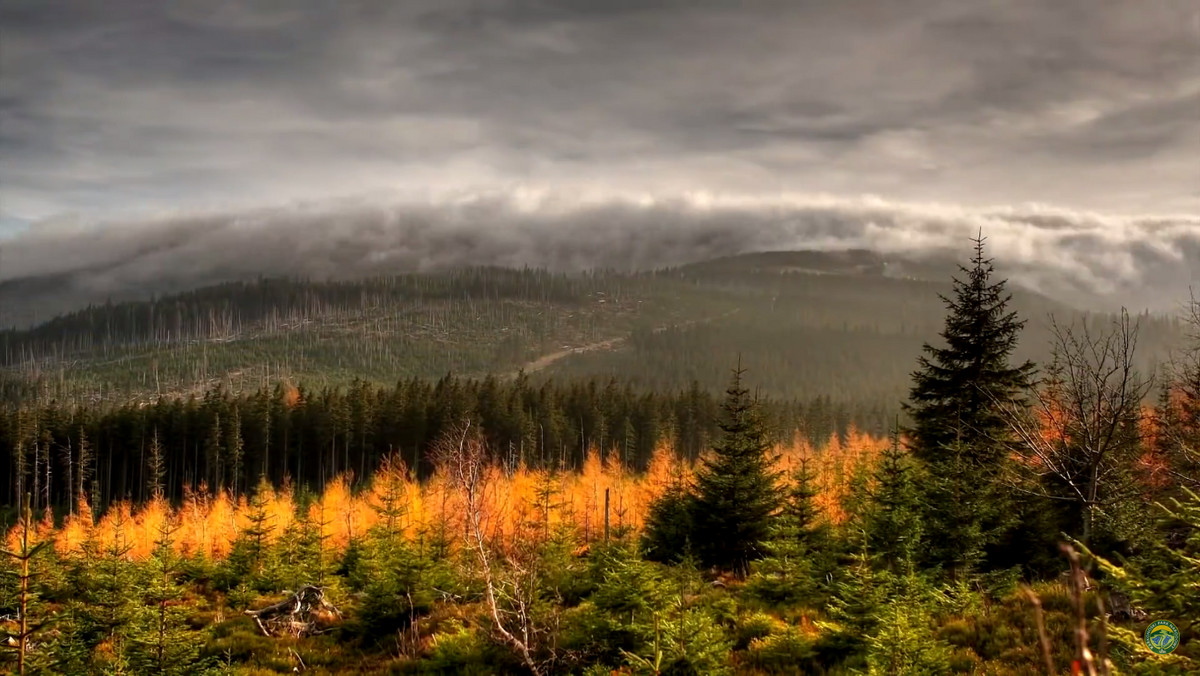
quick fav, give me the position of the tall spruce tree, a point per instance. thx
(956, 392)
(737, 489)
(957, 406)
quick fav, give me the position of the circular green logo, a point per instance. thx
(1162, 637)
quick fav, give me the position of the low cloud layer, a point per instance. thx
(1083, 258)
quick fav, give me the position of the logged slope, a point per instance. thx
(472, 321)
(847, 325)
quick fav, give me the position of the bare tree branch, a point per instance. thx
(509, 588)
(1082, 429)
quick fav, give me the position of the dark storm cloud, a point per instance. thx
(134, 105)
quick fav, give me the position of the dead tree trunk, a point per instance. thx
(304, 613)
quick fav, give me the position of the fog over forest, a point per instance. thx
(1086, 259)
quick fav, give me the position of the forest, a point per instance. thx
(1017, 495)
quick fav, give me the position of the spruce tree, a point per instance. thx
(667, 535)
(800, 515)
(390, 486)
(1163, 582)
(250, 559)
(162, 643)
(799, 553)
(258, 533)
(736, 489)
(956, 403)
(101, 613)
(962, 509)
(957, 392)
(892, 521)
(392, 576)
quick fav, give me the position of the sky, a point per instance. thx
(127, 117)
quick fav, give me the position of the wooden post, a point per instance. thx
(606, 514)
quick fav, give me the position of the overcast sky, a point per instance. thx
(131, 131)
(136, 106)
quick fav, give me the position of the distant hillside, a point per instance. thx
(847, 325)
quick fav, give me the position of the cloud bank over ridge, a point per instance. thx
(1084, 258)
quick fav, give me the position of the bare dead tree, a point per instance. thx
(509, 579)
(156, 468)
(1082, 432)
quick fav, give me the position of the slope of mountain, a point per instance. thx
(847, 325)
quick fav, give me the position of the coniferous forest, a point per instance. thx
(738, 467)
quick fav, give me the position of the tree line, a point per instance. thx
(228, 441)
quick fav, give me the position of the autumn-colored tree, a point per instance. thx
(1178, 413)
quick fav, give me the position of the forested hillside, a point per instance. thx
(842, 325)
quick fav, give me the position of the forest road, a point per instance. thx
(606, 344)
(548, 359)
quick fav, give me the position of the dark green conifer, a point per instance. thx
(736, 489)
(957, 406)
(892, 522)
(799, 553)
(668, 529)
(250, 561)
(957, 392)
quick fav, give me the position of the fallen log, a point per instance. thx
(304, 613)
